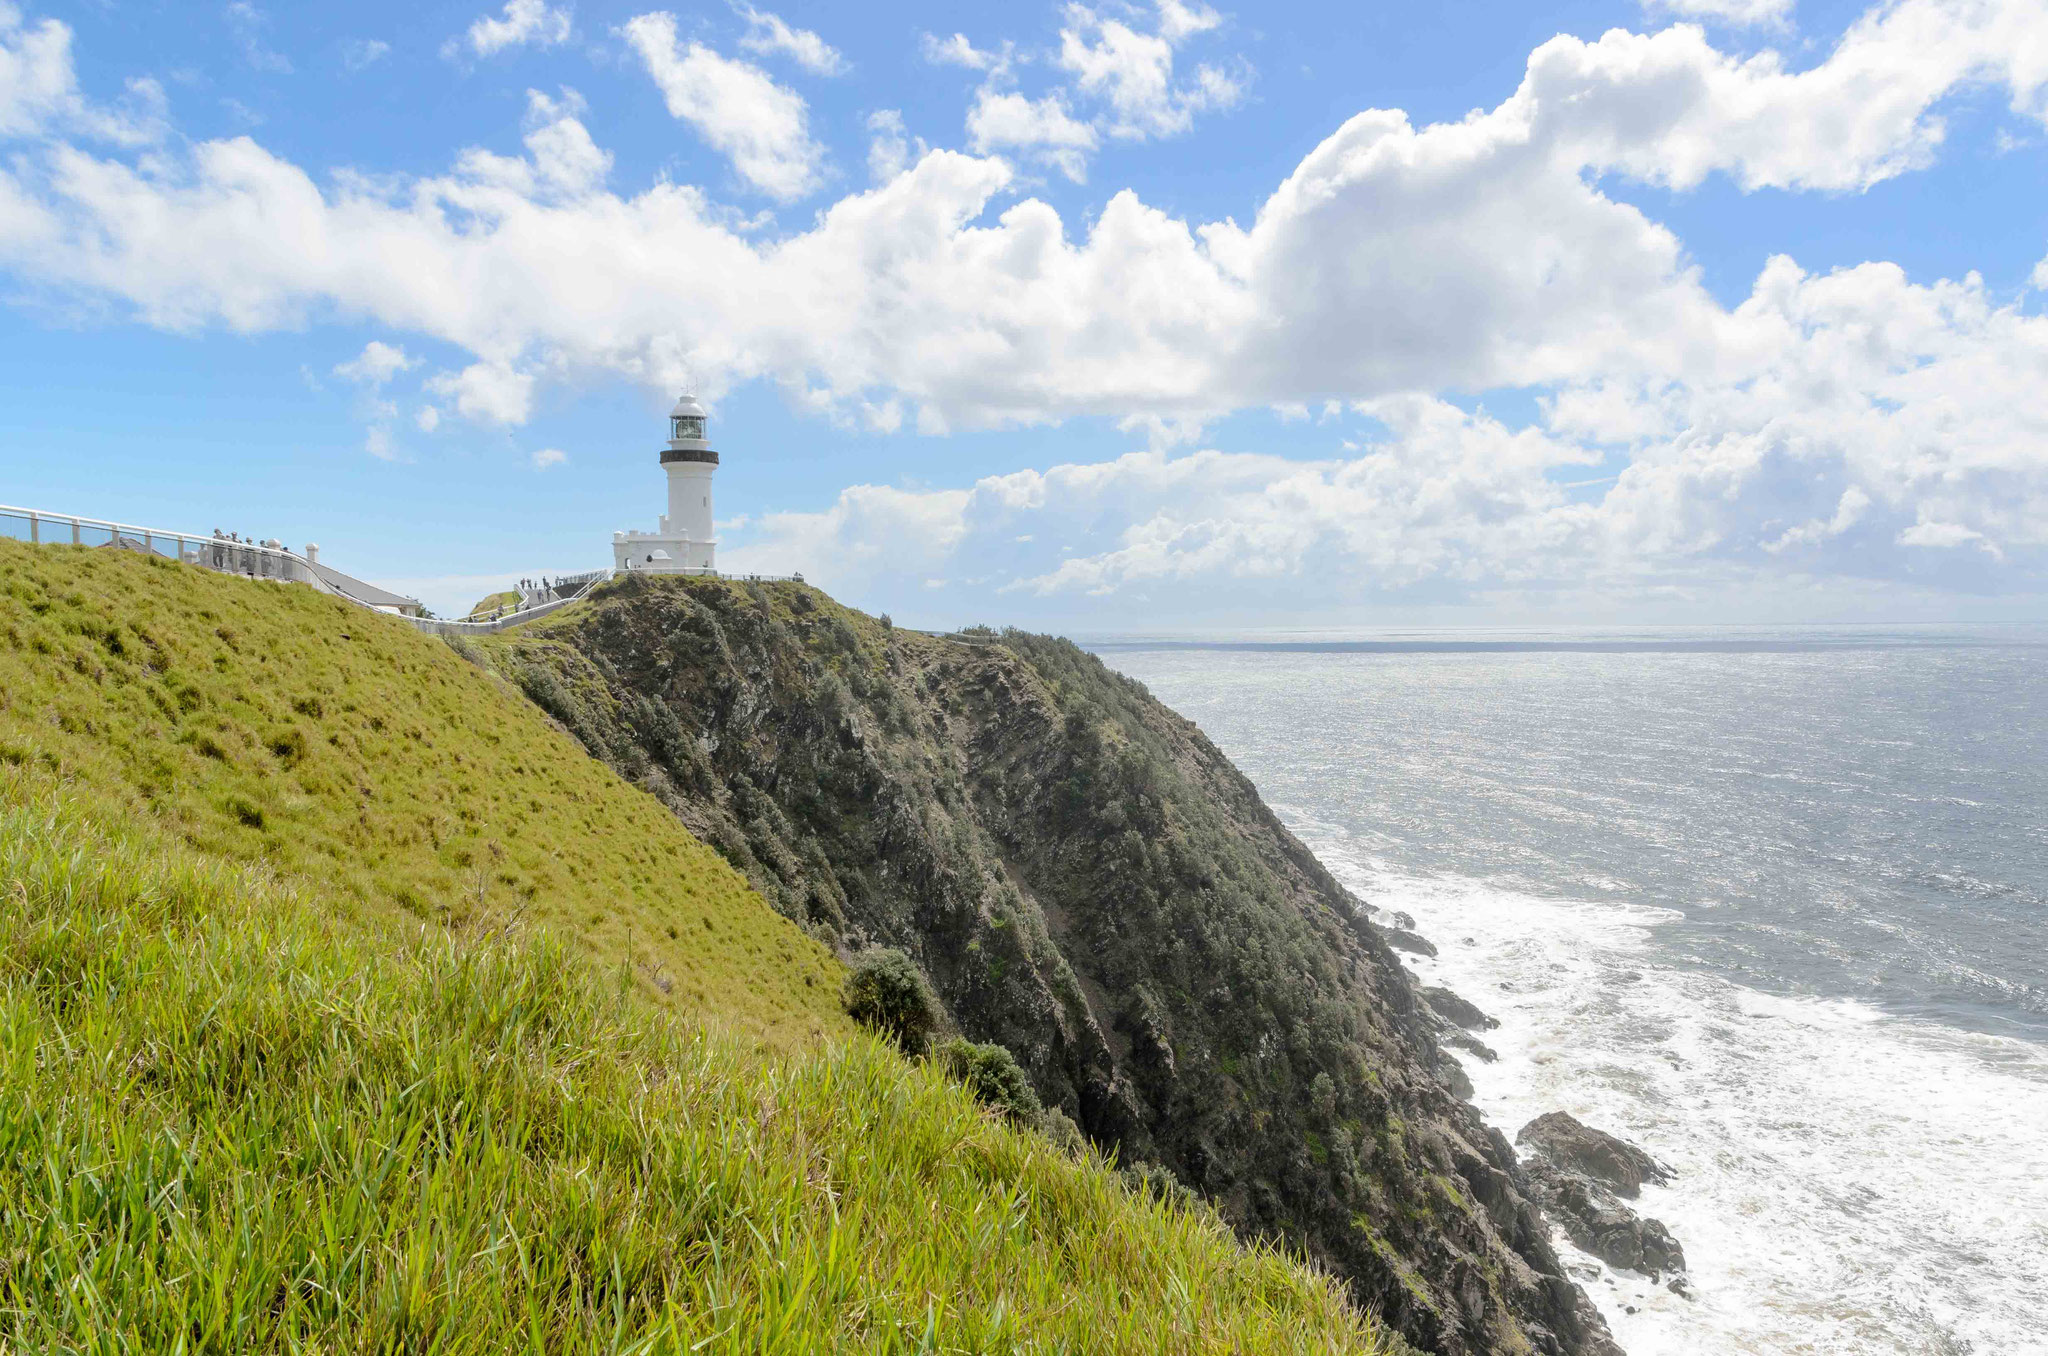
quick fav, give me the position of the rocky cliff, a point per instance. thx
(1087, 881)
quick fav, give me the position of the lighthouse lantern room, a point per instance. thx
(684, 544)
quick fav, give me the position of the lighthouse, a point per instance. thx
(683, 544)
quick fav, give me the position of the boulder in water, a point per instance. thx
(1403, 940)
(1596, 1220)
(1568, 1143)
(1456, 1010)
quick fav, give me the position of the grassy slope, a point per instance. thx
(263, 723)
(250, 1102)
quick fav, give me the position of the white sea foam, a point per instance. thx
(1851, 1184)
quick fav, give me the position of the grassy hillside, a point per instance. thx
(266, 724)
(291, 1060)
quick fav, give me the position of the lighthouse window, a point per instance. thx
(686, 426)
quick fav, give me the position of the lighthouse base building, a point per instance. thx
(684, 543)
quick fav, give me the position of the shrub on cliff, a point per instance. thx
(993, 1075)
(886, 992)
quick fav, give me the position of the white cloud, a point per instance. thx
(487, 392)
(520, 22)
(1041, 127)
(958, 51)
(768, 35)
(1470, 255)
(428, 419)
(378, 363)
(377, 442)
(738, 110)
(1736, 13)
(1121, 82)
(2040, 279)
(37, 83)
(549, 456)
(39, 89)
(247, 22)
(891, 150)
(1947, 536)
(360, 53)
(1132, 72)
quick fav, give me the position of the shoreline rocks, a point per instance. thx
(1578, 1175)
(1577, 1147)
(1457, 1011)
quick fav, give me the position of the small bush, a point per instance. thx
(887, 992)
(1158, 1181)
(1057, 1126)
(992, 1074)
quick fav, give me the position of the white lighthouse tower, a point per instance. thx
(684, 544)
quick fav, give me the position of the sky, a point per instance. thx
(1098, 317)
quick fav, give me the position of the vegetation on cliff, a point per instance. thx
(1089, 884)
(292, 1060)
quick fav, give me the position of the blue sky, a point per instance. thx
(1107, 317)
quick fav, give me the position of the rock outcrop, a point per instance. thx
(1088, 882)
(1579, 1175)
(1577, 1147)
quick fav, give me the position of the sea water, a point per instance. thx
(1771, 904)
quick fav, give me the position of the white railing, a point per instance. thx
(236, 557)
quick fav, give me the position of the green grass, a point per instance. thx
(229, 1124)
(253, 1100)
(264, 723)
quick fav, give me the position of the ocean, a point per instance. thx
(1773, 904)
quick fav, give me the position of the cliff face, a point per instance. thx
(1090, 883)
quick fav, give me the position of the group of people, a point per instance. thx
(219, 535)
(541, 585)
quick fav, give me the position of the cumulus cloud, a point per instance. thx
(1473, 254)
(487, 392)
(378, 363)
(735, 106)
(1132, 71)
(549, 456)
(1842, 441)
(958, 51)
(1120, 81)
(1040, 127)
(519, 23)
(891, 150)
(39, 89)
(768, 35)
